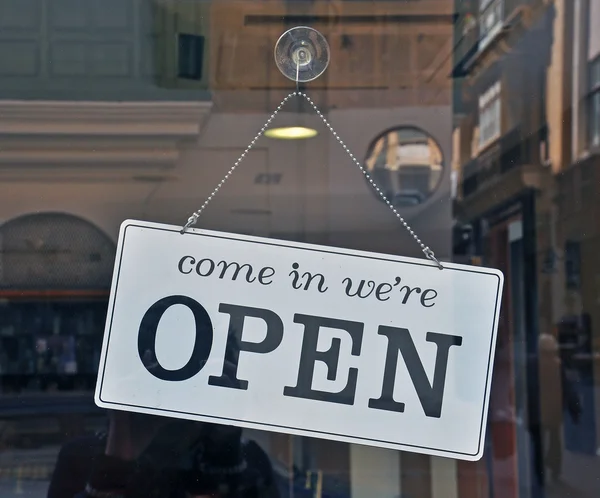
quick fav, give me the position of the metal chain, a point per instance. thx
(194, 217)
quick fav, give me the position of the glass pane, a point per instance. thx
(478, 121)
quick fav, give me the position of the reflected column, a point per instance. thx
(374, 472)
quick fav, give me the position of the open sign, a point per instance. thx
(309, 340)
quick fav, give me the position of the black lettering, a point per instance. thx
(409, 291)
(430, 395)
(199, 265)
(424, 297)
(262, 275)
(309, 356)
(359, 291)
(310, 277)
(295, 276)
(272, 340)
(297, 282)
(180, 266)
(379, 292)
(237, 270)
(147, 339)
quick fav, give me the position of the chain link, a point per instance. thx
(194, 217)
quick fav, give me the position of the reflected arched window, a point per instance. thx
(55, 275)
(54, 251)
(407, 164)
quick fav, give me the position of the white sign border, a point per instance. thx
(281, 428)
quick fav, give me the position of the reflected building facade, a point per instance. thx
(136, 109)
(525, 103)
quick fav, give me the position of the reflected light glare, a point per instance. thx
(291, 133)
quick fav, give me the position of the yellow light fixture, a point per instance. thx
(291, 133)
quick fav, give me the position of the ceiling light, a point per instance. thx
(291, 133)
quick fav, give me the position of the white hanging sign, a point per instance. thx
(302, 339)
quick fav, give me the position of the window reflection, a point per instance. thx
(40, 340)
(99, 98)
(594, 103)
(406, 164)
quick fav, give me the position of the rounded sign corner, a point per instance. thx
(500, 274)
(128, 222)
(496, 272)
(98, 400)
(474, 457)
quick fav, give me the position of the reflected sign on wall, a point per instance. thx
(308, 340)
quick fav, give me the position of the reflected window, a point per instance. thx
(594, 103)
(406, 163)
(44, 340)
(191, 56)
(55, 273)
(490, 20)
(490, 115)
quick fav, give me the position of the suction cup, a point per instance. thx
(302, 54)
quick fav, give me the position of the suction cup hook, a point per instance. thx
(302, 54)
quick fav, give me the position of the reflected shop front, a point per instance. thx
(455, 140)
